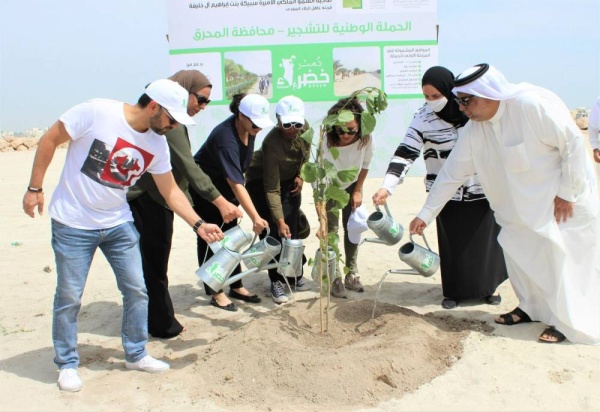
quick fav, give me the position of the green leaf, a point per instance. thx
(338, 194)
(333, 240)
(327, 165)
(335, 153)
(344, 116)
(370, 106)
(308, 135)
(309, 172)
(367, 123)
(347, 175)
(311, 261)
(330, 120)
(383, 103)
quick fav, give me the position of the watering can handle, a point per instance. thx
(424, 238)
(387, 209)
(256, 236)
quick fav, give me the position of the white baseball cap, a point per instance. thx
(256, 108)
(172, 97)
(290, 110)
(357, 223)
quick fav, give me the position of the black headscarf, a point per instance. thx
(443, 80)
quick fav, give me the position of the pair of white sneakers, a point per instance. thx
(70, 381)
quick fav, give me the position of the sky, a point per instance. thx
(56, 54)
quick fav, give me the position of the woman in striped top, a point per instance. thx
(472, 262)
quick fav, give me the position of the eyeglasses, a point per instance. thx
(252, 123)
(463, 100)
(295, 125)
(201, 99)
(172, 121)
(341, 131)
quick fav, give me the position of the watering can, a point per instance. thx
(261, 253)
(327, 262)
(216, 271)
(424, 261)
(388, 231)
(234, 239)
(290, 260)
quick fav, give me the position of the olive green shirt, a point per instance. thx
(278, 159)
(185, 171)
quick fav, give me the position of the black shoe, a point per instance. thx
(230, 307)
(251, 299)
(449, 303)
(493, 299)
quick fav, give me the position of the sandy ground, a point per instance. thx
(432, 359)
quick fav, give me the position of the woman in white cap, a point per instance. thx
(224, 157)
(274, 183)
(472, 263)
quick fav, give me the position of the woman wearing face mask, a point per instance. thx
(472, 262)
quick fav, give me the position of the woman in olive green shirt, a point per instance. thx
(274, 184)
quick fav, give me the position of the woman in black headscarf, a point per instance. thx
(472, 262)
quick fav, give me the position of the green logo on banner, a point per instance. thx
(306, 73)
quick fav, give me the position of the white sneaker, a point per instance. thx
(148, 364)
(69, 380)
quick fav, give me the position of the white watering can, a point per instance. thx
(388, 231)
(290, 260)
(424, 262)
(216, 271)
(234, 239)
(328, 263)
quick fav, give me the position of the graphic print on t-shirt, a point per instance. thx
(117, 168)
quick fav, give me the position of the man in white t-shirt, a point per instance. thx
(111, 144)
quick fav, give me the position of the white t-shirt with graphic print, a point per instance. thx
(105, 157)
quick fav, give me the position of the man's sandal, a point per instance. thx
(508, 320)
(552, 335)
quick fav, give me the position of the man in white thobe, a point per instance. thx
(594, 132)
(533, 166)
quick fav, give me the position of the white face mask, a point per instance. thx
(437, 105)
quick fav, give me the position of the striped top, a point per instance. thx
(436, 138)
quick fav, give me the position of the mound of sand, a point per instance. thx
(283, 357)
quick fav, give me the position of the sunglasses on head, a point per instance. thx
(463, 100)
(295, 125)
(252, 123)
(201, 99)
(341, 131)
(172, 121)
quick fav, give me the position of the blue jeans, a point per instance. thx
(74, 250)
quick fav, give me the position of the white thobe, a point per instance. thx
(528, 153)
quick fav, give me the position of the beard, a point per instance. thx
(156, 124)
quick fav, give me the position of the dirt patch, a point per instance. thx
(282, 361)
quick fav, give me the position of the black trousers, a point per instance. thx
(154, 222)
(471, 259)
(291, 211)
(211, 214)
